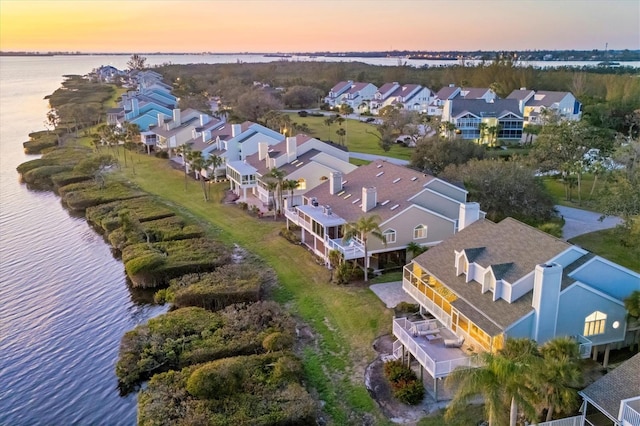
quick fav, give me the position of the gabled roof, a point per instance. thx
(356, 87)
(386, 87)
(508, 242)
(472, 92)
(546, 98)
(394, 184)
(520, 94)
(338, 88)
(446, 92)
(621, 383)
(482, 108)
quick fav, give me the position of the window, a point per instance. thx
(389, 236)
(302, 184)
(420, 231)
(594, 324)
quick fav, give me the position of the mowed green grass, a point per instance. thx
(344, 319)
(359, 136)
(606, 243)
(588, 201)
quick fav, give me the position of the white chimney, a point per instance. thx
(176, 118)
(206, 135)
(335, 182)
(160, 119)
(369, 198)
(469, 213)
(236, 129)
(291, 149)
(263, 148)
(204, 119)
(135, 107)
(547, 283)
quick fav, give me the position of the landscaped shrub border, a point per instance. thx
(404, 383)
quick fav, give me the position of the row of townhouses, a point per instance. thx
(478, 284)
(469, 109)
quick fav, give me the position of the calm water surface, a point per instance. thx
(64, 300)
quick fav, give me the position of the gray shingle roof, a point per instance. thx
(392, 182)
(508, 242)
(621, 383)
(479, 107)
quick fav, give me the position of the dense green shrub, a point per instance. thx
(247, 390)
(290, 236)
(80, 196)
(34, 164)
(229, 284)
(67, 178)
(107, 216)
(277, 341)
(42, 176)
(182, 257)
(190, 336)
(36, 146)
(404, 383)
(162, 154)
(165, 229)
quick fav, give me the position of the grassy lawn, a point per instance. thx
(557, 189)
(345, 319)
(357, 138)
(606, 243)
(471, 416)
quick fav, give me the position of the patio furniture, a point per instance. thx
(453, 343)
(432, 337)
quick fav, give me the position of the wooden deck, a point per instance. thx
(431, 353)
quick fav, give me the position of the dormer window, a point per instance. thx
(389, 236)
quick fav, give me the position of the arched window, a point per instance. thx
(389, 236)
(302, 184)
(419, 232)
(595, 324)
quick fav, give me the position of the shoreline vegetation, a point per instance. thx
(260, 317)
(165, 236)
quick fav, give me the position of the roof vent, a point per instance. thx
(314, 202)
(414, 179)
(384, 203)
(379, 174)
(395, 206)
(341, 193)
(396, 180)
(355, 201)
(379, 165)
(347, 196)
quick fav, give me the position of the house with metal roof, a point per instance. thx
(614, 399)
(411, 207)
(302, 158)
(492, 281)
(172, 133)
(475, 118)
(533, 103)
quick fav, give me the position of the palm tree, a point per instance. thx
(290, 185)
(415, 249)
(215, 161)
(328, 122)
(185, 151)
(278, 175)
(362, 228)
(485, 381)
(561, 376)
(272, 185)
(521, 360)
(483, 131)
(199, 163)
(335, 258)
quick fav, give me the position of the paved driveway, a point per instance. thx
(578, 222)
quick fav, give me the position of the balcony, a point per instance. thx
(584, 346)
(354, 249)
(429, 351)
(630, 412)
(291, 213)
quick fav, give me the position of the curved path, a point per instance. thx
(371, 157)
(578, 221)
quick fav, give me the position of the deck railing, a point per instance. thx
(584, 346)
(353, 250)
(437, 369)
(569, 421)
(629, 415)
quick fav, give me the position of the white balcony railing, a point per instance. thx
(351, 250)
(584, 346)
(291, 213)
(569, 421)
(435, 367)
(630, 416)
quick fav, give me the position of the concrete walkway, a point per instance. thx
(391, 293)
(578, 222)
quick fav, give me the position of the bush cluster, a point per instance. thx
(404, 383)
(289, 235)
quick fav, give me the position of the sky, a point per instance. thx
(145, 26)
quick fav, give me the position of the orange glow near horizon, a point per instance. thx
(311, 26)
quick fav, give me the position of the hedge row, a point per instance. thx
(107, 216)
(154, 264)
